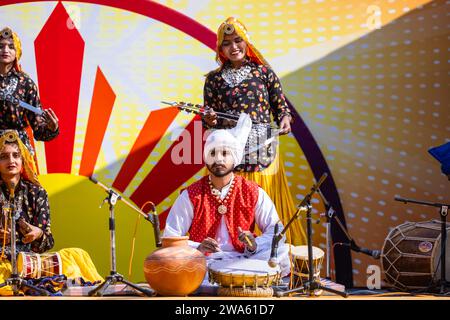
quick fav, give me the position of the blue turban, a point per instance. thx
(442, 154)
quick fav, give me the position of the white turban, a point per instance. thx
(233, 139)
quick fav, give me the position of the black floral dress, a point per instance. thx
(253, 89)
(31, 204)
(21, 86)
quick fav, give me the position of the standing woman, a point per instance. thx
(245, 82)
(16, 83)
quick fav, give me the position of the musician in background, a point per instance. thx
(245, 83)
(19, 184)
(15, 82)
(221, 210)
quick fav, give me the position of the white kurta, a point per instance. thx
(181, 215)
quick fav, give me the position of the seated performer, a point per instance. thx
(18, 175)
(220, 210)
(17, 84)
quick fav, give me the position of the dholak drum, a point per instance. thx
(301, 265)
(411, 255)
(33, 265)
(244, 277)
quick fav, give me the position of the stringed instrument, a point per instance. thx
(15, 101)
(261, 135)
(201, 110)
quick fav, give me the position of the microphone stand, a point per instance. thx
(311, 284)
(328, 216)
(443, 284)
(115, 277)
(16, 282)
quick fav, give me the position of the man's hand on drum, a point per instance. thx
(34, 234)
(5, 234)
(248, 239)
(208, 245)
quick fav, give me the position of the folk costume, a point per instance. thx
(32, 206)
(18, 84)
(254, 89)
(203, 211)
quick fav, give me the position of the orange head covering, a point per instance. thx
(229, 26)
(29, 168)
(7, 33)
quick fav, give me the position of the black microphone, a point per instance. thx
(157, 231)
(273, 262)
(397, 198)
(93, 179)
(373, 253)
(376, 254)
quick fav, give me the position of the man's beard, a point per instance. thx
(217, 170)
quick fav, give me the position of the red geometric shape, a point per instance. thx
(167, 176)
(101, 107)
(59, 59)
(154, 128)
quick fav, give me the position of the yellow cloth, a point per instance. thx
(273, 180)
(29, 166)
(17, 45)
(5, 272)
(76, 263)
(229, 26)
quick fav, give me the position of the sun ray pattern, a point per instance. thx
(59, 73)
(100, 111)
(154, 128)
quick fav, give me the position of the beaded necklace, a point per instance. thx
(233, 77)
(222, 208)
(9, 85)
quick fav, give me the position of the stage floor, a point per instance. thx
(377, 297)
(209, 292)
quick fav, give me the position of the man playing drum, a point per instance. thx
(220, 210)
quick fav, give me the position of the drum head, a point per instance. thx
(243, 273)
(29, 265)
(244, 267)
(301, 252)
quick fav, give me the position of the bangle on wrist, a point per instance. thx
(251, 251)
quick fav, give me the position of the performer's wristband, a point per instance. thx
(250, 251)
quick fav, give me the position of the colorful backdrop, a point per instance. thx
(367, 79)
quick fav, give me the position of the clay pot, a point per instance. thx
(176, 269)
